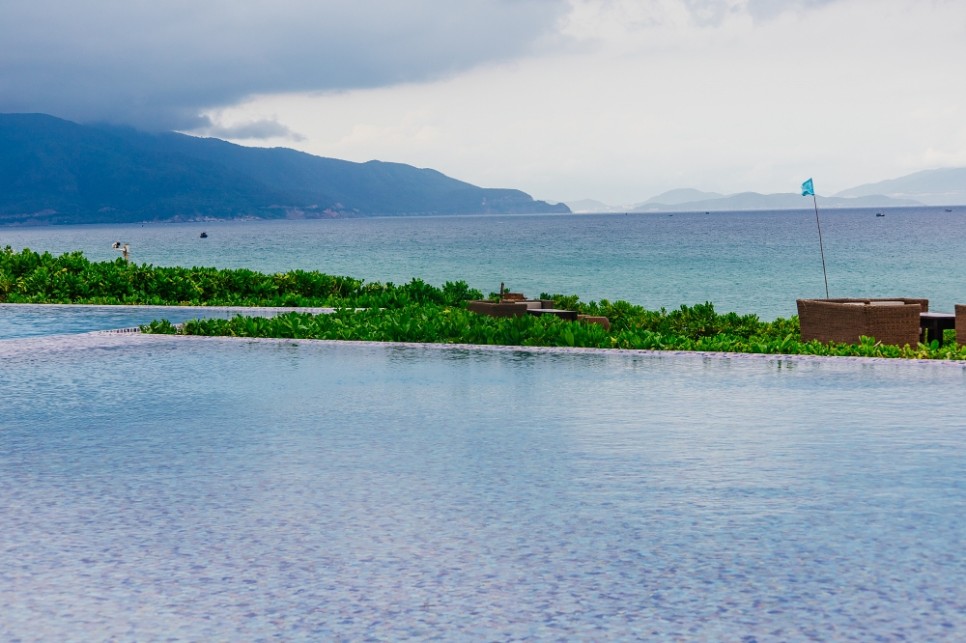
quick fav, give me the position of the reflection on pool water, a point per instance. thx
(217, 489)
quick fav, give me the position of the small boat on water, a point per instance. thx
(949, 209)
(204, 235)
(879, 214)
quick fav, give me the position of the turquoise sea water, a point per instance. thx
(753, 262)
(215, 489)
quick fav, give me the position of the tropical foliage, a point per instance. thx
(412, 312)
(443, 324)
(31, 277)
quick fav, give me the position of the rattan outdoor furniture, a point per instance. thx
(515, 305)
(890, 321)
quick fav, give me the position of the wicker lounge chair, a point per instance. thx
(889, 321)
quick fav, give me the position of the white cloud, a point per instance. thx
(648, 96)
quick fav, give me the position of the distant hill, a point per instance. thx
(689, 200)
(930, 187)
(784, 201)
(590, 206)
(946, 186)
(56, 171)
(679, 196)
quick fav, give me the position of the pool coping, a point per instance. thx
(112, 339)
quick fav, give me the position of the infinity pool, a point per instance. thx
(29, 320)
(217, 489)
(36, 320)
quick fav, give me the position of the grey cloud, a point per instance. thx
(261, 129)
(159, 64)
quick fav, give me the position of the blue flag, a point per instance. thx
(808, 188)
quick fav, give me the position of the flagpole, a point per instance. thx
(821, 246)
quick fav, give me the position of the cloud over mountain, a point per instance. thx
(160, 64)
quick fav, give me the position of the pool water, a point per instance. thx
(220, 489)
(39, 320)
(28, 320)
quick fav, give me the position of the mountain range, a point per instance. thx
(946, 186)
(57, 171)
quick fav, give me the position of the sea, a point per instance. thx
(744, 262)
(186, 489)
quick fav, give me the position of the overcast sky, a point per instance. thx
(615, 100)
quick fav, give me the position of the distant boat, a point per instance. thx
(204, 235)
(948, 210)
(879, 214)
